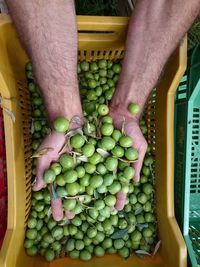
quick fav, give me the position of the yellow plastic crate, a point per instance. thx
(106, 41)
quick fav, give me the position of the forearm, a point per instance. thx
(155, 30)
(48, 32)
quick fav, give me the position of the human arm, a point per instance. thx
(47, 30)
(155, 30)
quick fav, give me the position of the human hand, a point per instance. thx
(53, 144)
(131, 128)
(50, 150)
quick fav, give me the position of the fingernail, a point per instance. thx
(136, 178)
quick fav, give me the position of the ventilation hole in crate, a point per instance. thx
(98, 53)
(196, 115)
(28, 174)
(117, 54)
(110, 53)
(122, 53)
(196, 126)
(149, 116)
(26, 120)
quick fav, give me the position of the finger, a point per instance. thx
(121, 199)
(69, 214)
(57, 209)
(39, 184)
(42, 164)
(54, 139)
(138, 164)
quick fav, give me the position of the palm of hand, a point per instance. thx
(54, 143)
(131, 128)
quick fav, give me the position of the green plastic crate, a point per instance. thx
(187, 157)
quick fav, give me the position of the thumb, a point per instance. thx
(138, 164)
(39, 184)
(42, 165)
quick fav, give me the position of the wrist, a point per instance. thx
(62, 101)
(122, 114)
(69, 114)
(127, 93)
(120, 105)
(67, 110)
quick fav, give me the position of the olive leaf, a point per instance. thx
(123, 126)
(157, 246)
(74, 158)
(83, 158)
(98, 127)
(81, 198)
(32, 126)
(93, 220)
(73, 132)
(102, 152)
(82, 134)
(90, 133)
(9, 112)
(53, 192)
(141, 226)
(75, 153)
(41, 152)
(152, 173)
(34, 181)
(142, 252)
(96, 194)
(78, 120)
(64, 147)
(138, 211)
(119, 233)
(125, 216)
(49, 213)
(86, 207)
(89, 128)
(78, 197)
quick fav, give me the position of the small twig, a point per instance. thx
(127, 161)
(123, 126)
(42, 152)
(75, 197)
